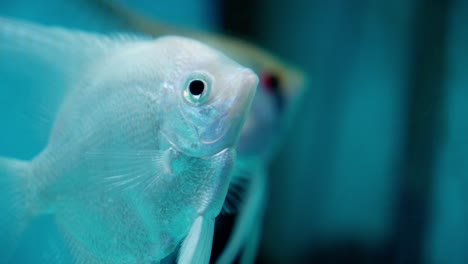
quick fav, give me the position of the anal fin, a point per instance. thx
(196, 248)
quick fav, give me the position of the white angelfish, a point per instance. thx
(279, 95)
(140, 154)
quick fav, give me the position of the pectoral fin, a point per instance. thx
(116, 170)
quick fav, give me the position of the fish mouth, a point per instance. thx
(225, 131)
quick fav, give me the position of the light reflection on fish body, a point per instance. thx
(127, 173)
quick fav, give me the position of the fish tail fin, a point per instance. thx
(15, 203)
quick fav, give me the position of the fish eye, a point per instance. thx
(271, 81)
(196, 87)
(197, 90)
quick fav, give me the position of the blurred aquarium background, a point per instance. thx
(375, 165)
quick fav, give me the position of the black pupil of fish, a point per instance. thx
(272, 82)
(196, 87)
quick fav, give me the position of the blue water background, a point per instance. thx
(338, 177)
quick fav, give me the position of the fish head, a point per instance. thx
(211, 98)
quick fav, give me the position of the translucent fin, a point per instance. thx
(242, 175)
(16, 196)
(59, 56)
(119, 170)
(137, 21)
(248, 221)
(38, 66)
(237, 191)
(249, 255)
(69, 50)
(196, 247)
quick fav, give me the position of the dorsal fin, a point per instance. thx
(38, 66)
(66, 49)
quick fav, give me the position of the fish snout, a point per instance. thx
(239, 111)
(224, 131)
(249, 82)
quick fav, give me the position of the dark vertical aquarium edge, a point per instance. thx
(425, 128)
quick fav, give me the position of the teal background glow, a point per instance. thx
(375, 167)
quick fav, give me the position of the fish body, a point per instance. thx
(279, 94)
(140, 154)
